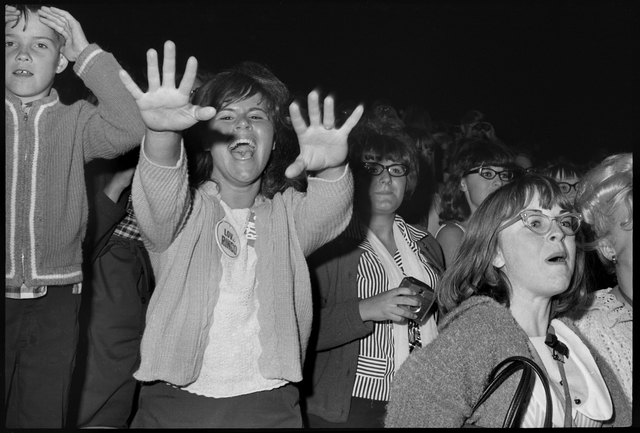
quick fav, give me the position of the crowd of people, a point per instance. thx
(206, 250)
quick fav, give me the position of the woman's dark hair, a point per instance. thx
(562, 168)
(416, 116)
(472, 272)
(381, 140)
(236, 84)
(469, 153)
(415, 209)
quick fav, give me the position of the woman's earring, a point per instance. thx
(614, 259)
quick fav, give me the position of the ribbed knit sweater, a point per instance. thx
(45, 152)
(438, 386)
(178, 228)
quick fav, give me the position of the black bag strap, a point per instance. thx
(502, 372)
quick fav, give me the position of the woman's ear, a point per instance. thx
(606, 249)
(498, 260)
(463, 185)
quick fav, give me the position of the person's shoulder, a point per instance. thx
(449, 231)
(480, 314)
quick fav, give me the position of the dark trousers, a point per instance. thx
(364, 413)
(163, 406)
(114, 305)
(41, 336)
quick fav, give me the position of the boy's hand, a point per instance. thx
(165, 107)
(11, 14)
(65, 24)
(322, 145)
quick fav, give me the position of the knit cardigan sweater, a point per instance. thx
(178, 228)
(330, 371)
(45, 152)
(439, 385)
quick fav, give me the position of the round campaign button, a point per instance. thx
(227, 239)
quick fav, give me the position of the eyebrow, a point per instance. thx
(248, 111)
(13, 35)
(45, 37)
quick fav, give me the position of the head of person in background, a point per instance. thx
(471, 117)
(385, 159)
(344, 109)
(477, 168)
(415, 210)
(416, 116)
(524, 160)
(605, 198)
(567, 174)
(385, 112)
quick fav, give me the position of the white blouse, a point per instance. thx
(591, 403)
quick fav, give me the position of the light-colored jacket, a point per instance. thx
(178, 228)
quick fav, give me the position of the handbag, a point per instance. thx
(524, 389)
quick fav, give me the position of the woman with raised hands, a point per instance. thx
(230, 319)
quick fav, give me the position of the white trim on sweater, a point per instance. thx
(14, 189)
(87, 60)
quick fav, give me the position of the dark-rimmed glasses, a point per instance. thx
(540, 223)
(489, 173)
(566, 186)
(375, 169)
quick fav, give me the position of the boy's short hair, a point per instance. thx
(26, 9)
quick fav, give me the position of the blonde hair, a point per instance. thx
(605, 199)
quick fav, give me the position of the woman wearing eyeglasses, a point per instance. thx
(517, 272)
(478, 168)
(365, 324)
(567, 174)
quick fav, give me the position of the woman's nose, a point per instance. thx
(556, 232)
(497, 182)
(385, 176)
(243, 123)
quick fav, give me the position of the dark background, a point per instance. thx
(556, 76)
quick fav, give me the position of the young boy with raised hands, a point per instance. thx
(47, 144)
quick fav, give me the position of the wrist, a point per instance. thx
(331, 173)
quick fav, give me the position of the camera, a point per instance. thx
(423, 290)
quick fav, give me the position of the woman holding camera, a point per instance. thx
(517, 271)
(365, 326)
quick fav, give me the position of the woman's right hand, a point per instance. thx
(389, 305)
(164, 107)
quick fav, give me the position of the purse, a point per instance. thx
(525, 388)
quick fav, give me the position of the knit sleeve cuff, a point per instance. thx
(87, 58)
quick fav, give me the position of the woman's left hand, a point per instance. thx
(322, 145)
